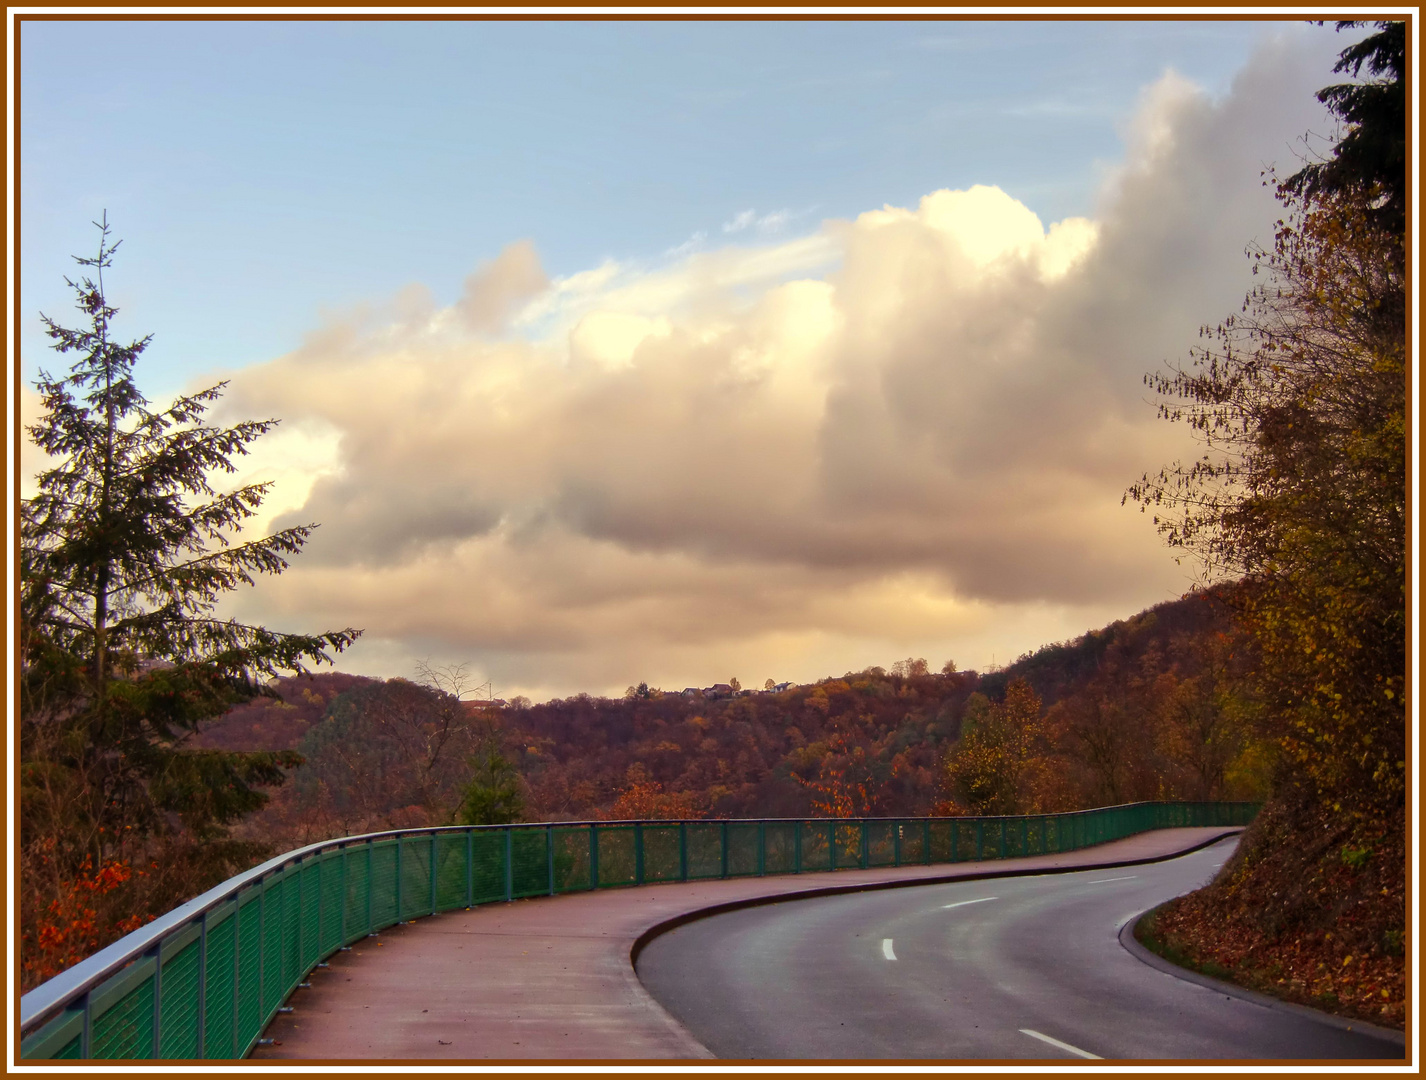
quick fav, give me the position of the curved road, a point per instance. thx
(1011, 968)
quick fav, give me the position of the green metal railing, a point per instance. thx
(206, 979)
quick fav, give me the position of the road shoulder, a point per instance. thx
(1154, 960)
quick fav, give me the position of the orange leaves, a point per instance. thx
(645, 799)
(843, 786)
(73, 921)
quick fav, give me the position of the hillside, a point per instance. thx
(1134, 710)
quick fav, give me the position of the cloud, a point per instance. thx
(907, 432)
(498, 288)
(689, 246)
(740, 221)
(775, 221)
(772, 222)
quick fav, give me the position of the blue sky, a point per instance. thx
(674, 352)
(261, 171)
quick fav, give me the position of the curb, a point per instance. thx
(661, 928)
(1218, 986)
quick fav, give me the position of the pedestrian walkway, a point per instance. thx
(553, 977)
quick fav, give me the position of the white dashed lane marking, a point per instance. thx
(963, 903)
(1101, 881)
(886, 950)
(1062, 1045)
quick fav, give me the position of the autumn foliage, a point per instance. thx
(1300, 497)
(1141, 709)
(65, 917)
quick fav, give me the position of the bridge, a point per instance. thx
(242, 969)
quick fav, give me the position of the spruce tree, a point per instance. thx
(125, 552)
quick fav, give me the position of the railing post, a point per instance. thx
(433, 873)
(683, 851)
(955, 839)
(287, 901)
(762, 848)
(342, 889)
(926, 838)
(297, 875)
(979, 839)
(724, 860)
(509, 864)
(638, 853)
(317, 952)
(831, 845)
(400, 868)
(865, 853)
(158, 1000)
(469, 867)
(261, 948)
(593, 855)
(1024, 835)
(797, 847)
(550, 854)
(896, 844)
(237, 967)
(370, 862)
(86, 1028)
(202, 984)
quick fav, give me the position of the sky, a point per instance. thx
(610, 352)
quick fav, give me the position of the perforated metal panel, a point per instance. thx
(779, 843)
(415, 876)
(572, 859)
(488, 866)
(450, 872)
(382, 884)
(219, 985)
(125, 1029)
(178, 1035)
(249, 972)
(530, 862)
(617, 862)
(329, 917)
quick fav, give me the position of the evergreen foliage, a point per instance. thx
(1370, 158)
(495, 793)
(125, 551)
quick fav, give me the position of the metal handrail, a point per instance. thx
(60, 1016)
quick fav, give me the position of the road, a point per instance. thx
(1012, 968)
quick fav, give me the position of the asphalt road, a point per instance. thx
(1009, 968)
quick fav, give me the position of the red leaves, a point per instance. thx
(70, 926)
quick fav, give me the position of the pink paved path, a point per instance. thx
(551, 978)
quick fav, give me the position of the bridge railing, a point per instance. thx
(203, 981)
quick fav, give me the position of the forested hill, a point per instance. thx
(1170, 630)
(1121, 715)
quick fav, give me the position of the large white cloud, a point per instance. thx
(908, 432)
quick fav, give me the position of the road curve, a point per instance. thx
(1008, 969)
(550, 978)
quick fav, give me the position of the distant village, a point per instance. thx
(643, 690)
